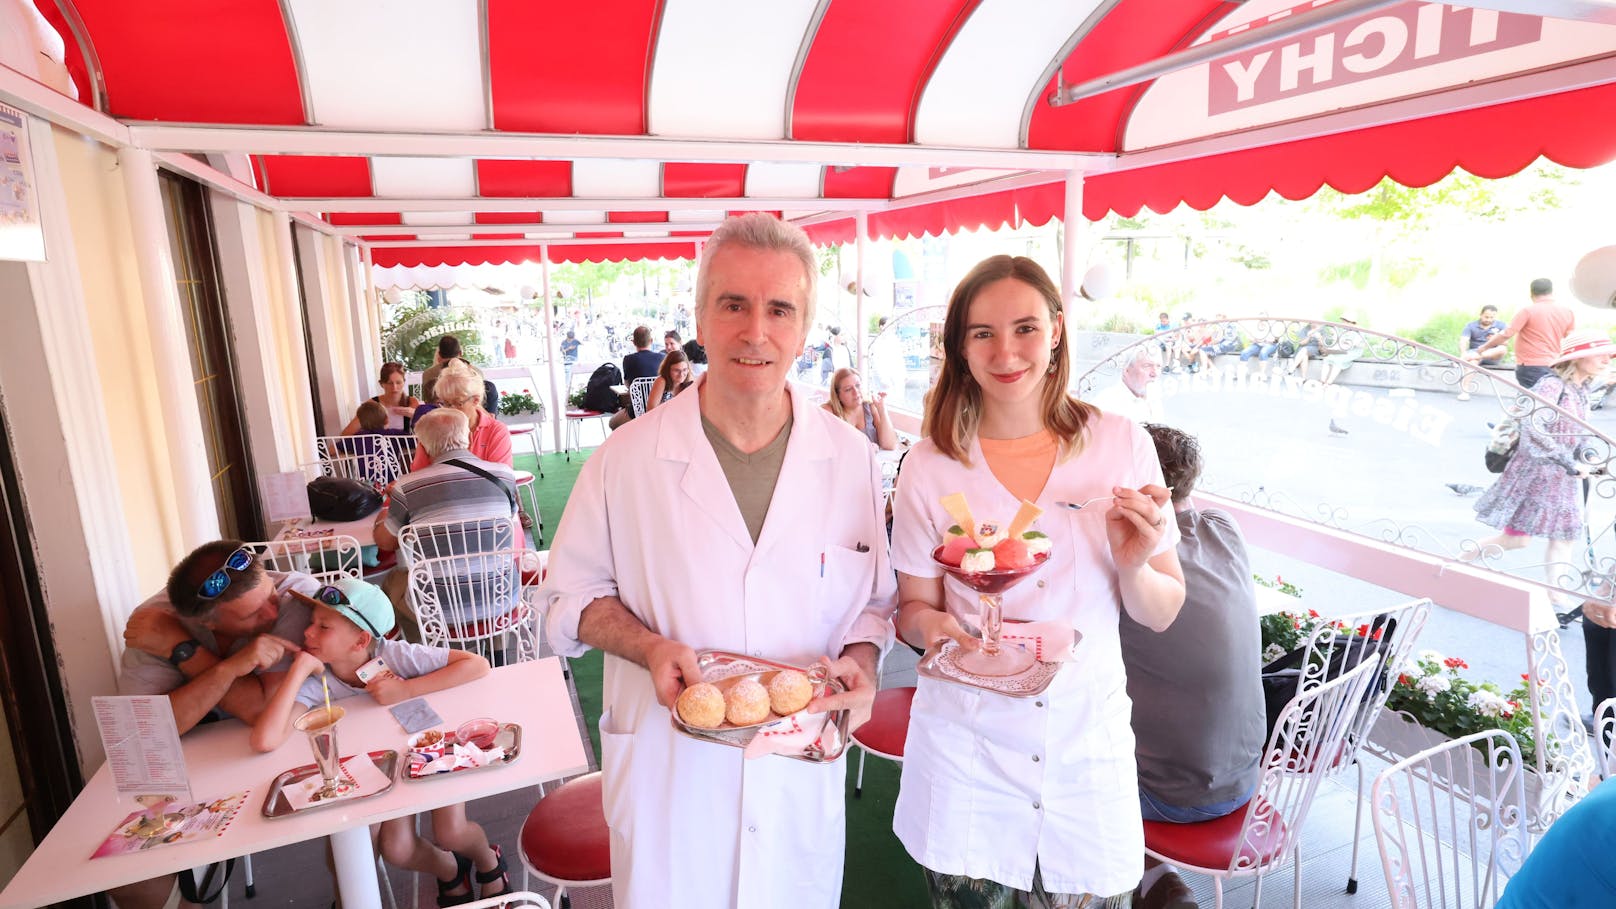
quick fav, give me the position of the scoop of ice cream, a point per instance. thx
(746, 703)
(954, 549)
(702, 705)
(789, 692)
(977, 560)
(1037, 543)
(1012, 554)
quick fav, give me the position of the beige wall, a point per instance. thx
(286, 372)
(135, 415)
(339, 344)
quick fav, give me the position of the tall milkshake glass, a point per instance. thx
(320, 724)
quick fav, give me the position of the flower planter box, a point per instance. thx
(520, 419)
(1402, 736)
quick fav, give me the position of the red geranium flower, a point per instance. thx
(1455, 663)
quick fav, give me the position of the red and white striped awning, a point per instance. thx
(449, 131)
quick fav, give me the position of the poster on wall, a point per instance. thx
(22, 236)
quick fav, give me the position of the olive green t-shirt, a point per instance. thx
(751, 476)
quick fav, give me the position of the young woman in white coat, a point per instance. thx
(1028, 801)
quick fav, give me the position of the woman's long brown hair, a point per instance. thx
(954, 404)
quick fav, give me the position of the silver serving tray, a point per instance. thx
(719, 665)
(939, 663)
(276, 804)
(508, 738)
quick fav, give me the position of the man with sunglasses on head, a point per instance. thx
(204, 640)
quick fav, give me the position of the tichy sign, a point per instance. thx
(1385, 43)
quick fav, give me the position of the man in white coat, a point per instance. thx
(743, 518)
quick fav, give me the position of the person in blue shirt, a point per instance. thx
(1572, 864)
(1476, 334)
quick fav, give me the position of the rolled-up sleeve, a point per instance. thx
(581, 569)
(873, 624)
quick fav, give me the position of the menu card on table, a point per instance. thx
(171, 822)
(142, 745)
(285, 497)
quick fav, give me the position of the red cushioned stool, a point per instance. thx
(565, 841)
(887, 730)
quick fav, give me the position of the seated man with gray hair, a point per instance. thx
(1136, 395)
(456, 486)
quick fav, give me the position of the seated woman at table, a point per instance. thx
(398, 403)
(1028, 801)
(867, 415)
(460, 386)
(349, 621)
(672, 377)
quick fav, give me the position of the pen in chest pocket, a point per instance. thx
(821, 564)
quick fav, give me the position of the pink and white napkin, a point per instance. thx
(793, 734)
(358, 769)
(1048, 642)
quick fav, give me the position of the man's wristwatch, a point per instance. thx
(182, 651)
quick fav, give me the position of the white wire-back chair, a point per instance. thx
(1385, 637)
(377, 459)
(1301, 750)
(1605, 737)
(476, 602)
(639, 391)
(437, 539)
(1451, 822)
(327, 557)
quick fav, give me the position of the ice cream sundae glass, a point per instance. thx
(990, 561)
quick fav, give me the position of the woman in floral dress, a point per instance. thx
(1539, 494)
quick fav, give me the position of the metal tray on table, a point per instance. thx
(508, 739)
(277, 805)
(720, 665)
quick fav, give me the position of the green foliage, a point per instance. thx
(411, 337)
(1281, 585)
(1442, 331)
(575, 400)
(1433, 692)
(1355, 273)
(1122, 323)
(515, 402)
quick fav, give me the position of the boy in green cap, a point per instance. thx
(348, 629)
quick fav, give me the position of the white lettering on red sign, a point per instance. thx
(1404, 38)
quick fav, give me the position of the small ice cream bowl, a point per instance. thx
(430, 743)
(480, 732)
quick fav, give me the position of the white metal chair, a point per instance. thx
(1451, 823)
(378, 459)
(477, 603)
(1391, 632)
(638, 391)
(1304, 745)
(327, 558)
(1605, 738)
(436, 539)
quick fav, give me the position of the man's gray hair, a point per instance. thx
(762, 232)
(441, 430)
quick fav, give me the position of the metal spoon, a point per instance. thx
(1079, 506)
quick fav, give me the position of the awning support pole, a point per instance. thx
(861, 224)
(559, 405)
(1072, 251)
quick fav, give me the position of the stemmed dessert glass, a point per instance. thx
(993, 659)
(321, 726)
